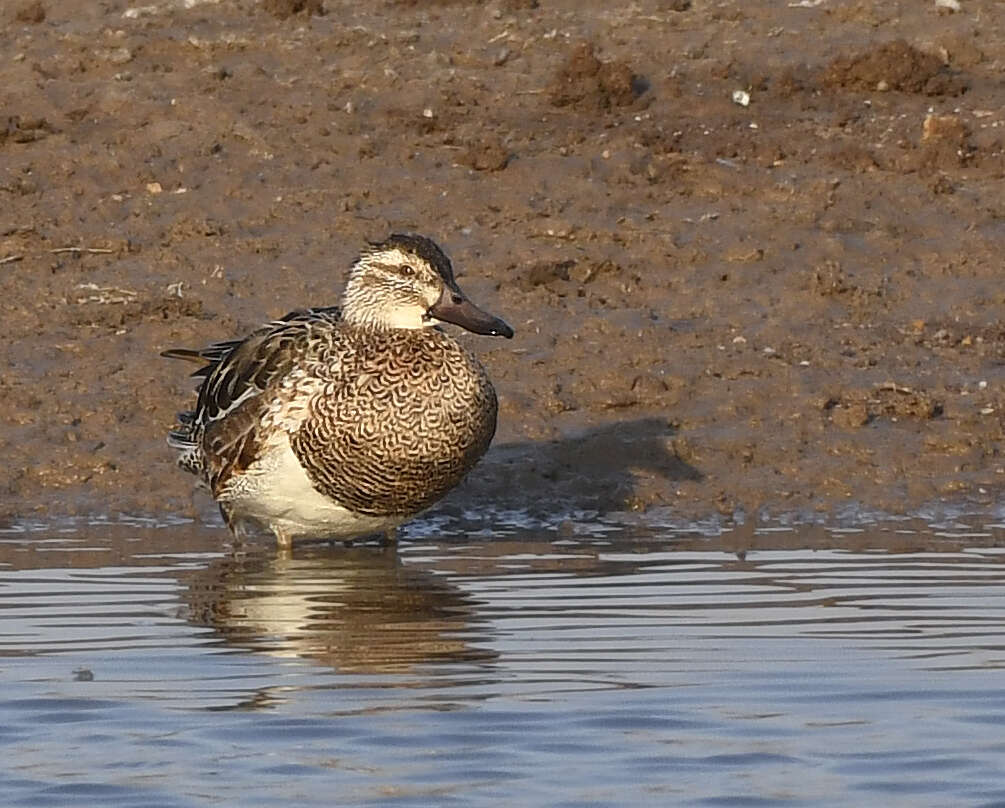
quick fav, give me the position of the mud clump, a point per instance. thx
(282, 9)
(894, 66)
(945, 143)
(547, 273)
(831, 280)
(860, 408)
(563, 277)
(25, 130)
(585, 83)
(487, 154)
(33, 12)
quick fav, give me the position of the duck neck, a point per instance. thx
(364, 307)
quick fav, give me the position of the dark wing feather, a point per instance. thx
(212, 354)
(221, 436)
(231, 444)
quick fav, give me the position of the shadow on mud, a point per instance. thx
(601, 469)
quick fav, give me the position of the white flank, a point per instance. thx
(277, 493)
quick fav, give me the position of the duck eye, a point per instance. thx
(408, 270)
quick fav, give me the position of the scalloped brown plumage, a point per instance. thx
(338, 423)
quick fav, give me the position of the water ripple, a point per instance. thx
(144, 664)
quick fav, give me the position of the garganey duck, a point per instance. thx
(344, 422)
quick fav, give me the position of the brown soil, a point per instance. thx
(789, 305)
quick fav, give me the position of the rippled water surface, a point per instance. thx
(591, 665)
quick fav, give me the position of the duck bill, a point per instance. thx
(457, 309)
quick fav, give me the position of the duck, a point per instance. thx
(343, 422)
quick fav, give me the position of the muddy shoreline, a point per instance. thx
(752, 251)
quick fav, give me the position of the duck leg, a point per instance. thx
(283, 539)
(234, 525)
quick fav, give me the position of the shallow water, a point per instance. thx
(595, 664)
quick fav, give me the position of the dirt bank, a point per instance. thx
(752, 250)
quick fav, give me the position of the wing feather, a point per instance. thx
(223, 435)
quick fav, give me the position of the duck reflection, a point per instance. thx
(358, 610)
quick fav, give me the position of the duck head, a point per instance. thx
(408, 282)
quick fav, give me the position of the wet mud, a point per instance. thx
(752, 251)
